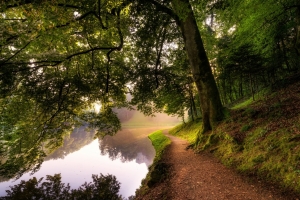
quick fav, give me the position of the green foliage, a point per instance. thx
(254, 45)
(102, 187)
(181, 9)
(105, 122)
(51, 82)
(58, 58)
(161, 81)
(244, 103)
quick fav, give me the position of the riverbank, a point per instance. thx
(258, 140)
(201, 176)
(157, 171)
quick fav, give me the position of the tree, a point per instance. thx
(212, 110)
(181, 11)
(59, 58)
(254, 46)
(51, 72)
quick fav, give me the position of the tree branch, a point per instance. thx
(76, 19)
(100, 20)
(69, 6)
(1, 63)
(164, 9)
(58, 26)
(53, 63)
(159, 55)
(45, 63)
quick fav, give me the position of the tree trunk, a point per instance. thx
(192, 109)
(297, 44)
(251, 87)
(225, 101)
(285, 57)
(192, 102)
(241, 94)
(210, 102)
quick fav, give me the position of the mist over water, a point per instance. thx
(133, 118)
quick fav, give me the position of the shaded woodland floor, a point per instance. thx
(202, 176)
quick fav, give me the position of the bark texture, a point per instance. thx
(211, 106)
(297, 45)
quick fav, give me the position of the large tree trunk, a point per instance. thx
(211, 106)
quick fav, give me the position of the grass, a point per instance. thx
(157, 171)
(187, 131)
(243, 104)
(159, 142)
(249, 101)
(258, 138)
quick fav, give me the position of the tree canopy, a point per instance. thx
(60, 58)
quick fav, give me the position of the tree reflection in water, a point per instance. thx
(129, 144)
(79, 138)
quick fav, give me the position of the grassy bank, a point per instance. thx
(260, 137)
(157, 170)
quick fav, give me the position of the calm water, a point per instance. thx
(126, 155)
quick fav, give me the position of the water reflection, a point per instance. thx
(129, 144)
(79, 138)
(126, 155)
(77, 167)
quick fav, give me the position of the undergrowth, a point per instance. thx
(261, 138)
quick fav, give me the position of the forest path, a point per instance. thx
(201, 176)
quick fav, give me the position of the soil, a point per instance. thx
(201, 176)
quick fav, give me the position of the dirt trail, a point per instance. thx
(201, 176)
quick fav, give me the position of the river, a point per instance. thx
(127, 155)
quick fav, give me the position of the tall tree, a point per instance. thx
(181, 11)
(104, 13)
(58, 58)
(211, 105)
